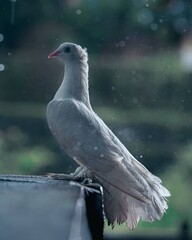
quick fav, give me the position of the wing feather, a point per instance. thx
(87, 139)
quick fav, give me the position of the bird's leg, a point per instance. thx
(78, 175)
(82, 177)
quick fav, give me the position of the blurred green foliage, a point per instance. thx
(18, 157)
(138, 84)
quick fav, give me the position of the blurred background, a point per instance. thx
(140, 57)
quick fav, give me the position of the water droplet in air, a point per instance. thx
(79, 143)
(145, 16)
(161, 20)
(154, 26)
(2, 67)
(1, 37)
(13, 11)
(122, 43)
(78, 11)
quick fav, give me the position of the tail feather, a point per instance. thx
(121, 208)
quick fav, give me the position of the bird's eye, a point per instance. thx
(67, 49)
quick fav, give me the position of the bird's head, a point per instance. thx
(70, 52)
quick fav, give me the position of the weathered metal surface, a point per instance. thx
(36, 207)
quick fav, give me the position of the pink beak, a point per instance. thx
(54, 54)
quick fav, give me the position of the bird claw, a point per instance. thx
(85, 185)
(78, 176)
(69, 177)
(86, 181)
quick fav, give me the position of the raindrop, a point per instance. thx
(122, 43)
(95, 148)
(13, 11)
(145, 16)
(101, 155)
(161, 20)
(141, 156)
(154, 26)
(76, 148)
(78, 11)
(2, 67)
(1, 37)
(135, 100)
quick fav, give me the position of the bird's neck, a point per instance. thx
(75, 83)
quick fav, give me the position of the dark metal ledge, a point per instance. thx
(40, 208)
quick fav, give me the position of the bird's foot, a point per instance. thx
(85, 185)
(77, 181)
(81, 178)
(86, 181)
(68, 177)
(78, 176)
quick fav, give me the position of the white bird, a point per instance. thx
(131, 192)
